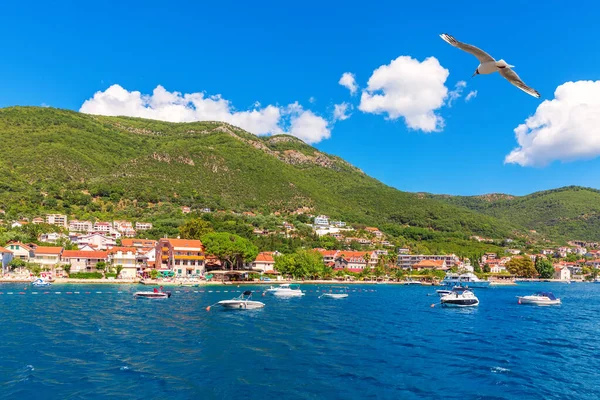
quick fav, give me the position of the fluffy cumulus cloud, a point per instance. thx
(177, 107)
(410, 89)
(566, 128)
(341, 111)
(349, 82)
(472, 94)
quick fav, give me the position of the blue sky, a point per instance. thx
(279, 53)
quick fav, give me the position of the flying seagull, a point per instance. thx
(487, 65)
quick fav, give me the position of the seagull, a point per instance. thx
(487, 65)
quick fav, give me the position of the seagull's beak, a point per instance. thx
(475, 73)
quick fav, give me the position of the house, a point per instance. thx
(264, 262)
(354, 261)
(547, 252)
(185, 257)
(129, 232)
(407, 261)
(121, 226)
(80, 226)
(562, 272)
(374, 231)
(18, 224)
(364, 241)
(97, 241)
(322, 220)
(205, 210)
(48, 257)
(127, 258)
(338, 224)
(52, 237)
(186, 210)
(143, 226)
(37, 220)
(593, 263)
(497, 268)
(57, 219)
(431, 264)
(101, 226)
(328, 255)
(139, 243)
(403, 250)
(514, 252)
(7, 257)
(20, 251)
(83, 261)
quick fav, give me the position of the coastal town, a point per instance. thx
(113, 250)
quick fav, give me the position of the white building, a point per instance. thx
(52, 237)
(322, 220)
(122, 226)
(80, 226)
(97, 241)
(143, 226)
(264, 262)
(102, 226)
(47, 257)
(126, 257)
(57, 219)
(562, 273)
(408, 260)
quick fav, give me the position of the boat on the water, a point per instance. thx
(242, 302)
(155, 294)
(334, 295)
(410, 281)
(540, 299)
(286, 290)
(39, 282)
(468, 279)
(460, 297)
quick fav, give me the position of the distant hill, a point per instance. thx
(62, 161)
(567, 213)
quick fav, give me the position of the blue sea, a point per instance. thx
(382, 342)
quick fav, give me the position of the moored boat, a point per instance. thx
(540, 299)
(39, 282)
(286, 290)
(242, 302)
(334, 295)
(468, 279)
(459, 297)
(156, 294)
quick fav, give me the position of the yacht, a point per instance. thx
(540, 299)
(242, 302)
(459, 297)
(334, 295)
(155, 294)
(285, 290)
(468, 279)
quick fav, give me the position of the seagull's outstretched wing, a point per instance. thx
(513, 78)
(481, 55)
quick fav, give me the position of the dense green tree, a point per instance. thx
(522, 267)
(231, 249)
(195, 229)
(544, 267)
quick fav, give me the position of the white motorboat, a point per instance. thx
(156, 294)
(286, 290)
(242, 302)
(468, 279)
(540, 299)
(460, 297)
(409, 281)
(334, 295)
(39, 282)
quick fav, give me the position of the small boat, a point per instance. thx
(39, 282)
(469, 279)
(242, 302)
(156, 294)
(409, 281)
(540, 299)
(285, 290)
(459, 297)
(334, 295)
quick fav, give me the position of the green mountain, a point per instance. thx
(82, 165)
(567, 213)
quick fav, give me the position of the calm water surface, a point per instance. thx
(382, 342)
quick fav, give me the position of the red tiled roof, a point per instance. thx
(429, 264)
(19, 244)
(265, 257)
(3, 250)
(84, 254)
(142, 242)
(183, 243)
(122, 249)
(48, 250)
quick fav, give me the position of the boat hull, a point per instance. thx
(459, 303)
(285, 293)
(334, 295)
(539, 302)
(152, 295)
(472, 285)
(241, 304)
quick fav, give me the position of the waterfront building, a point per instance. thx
(47, 257)
(185, 257)
(20, 251)
(83, 261)
(407, 261)
(264, 262)
(7, 257)
(126, 257)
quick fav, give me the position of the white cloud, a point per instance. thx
(472, 94)
(312, 99)
(341, 111)
(456, 93)
(349, 82)
(566, 128)
(410, 89)
(176, 107)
